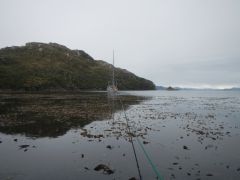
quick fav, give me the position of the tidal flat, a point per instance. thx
(83, 135)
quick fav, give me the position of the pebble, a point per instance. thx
(132, 178)
(106, 169)
(145, 142)
(209, 174)
(109, 147)
(23, 146)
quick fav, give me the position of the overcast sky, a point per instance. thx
(171, 42)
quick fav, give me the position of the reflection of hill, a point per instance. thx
(52, 115)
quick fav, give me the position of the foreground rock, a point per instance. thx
(104, 168)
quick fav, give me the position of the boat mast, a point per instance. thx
(113, 80)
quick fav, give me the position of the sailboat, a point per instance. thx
(112, 88)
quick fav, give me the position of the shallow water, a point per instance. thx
(188, 135)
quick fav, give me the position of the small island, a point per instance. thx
(170, 88)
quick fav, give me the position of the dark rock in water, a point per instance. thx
(238, 169)
(185, 147)
(15, 140)
(109, 147)
(100, 167)
(86, 168)
(189, 174)
(132, 178)
(175, 163)
(25, 150)
(145, 142)
(23, 146)
(82, 155)
(171, 89)
(0, 142)
(209, 174)
(106, 169)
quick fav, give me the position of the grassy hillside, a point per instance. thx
(40, 66)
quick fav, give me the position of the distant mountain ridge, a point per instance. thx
(234, 89)
(42, 66)
(197, 89)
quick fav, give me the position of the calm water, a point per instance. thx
(188, 135)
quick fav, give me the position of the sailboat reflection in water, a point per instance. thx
(112, 88)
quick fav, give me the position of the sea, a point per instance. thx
(146, 135)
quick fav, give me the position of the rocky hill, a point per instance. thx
(40, 66)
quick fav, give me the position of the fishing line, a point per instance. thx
(155, 169)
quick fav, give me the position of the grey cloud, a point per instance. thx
(169, 42)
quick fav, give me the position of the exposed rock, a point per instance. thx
(171, 89)
(145, 142)
(109, 147)
(23, 146)
(104, 168)
(132, 178)
(209, 174)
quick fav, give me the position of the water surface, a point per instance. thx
(188, 135)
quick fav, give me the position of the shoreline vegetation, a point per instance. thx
(54, 67)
